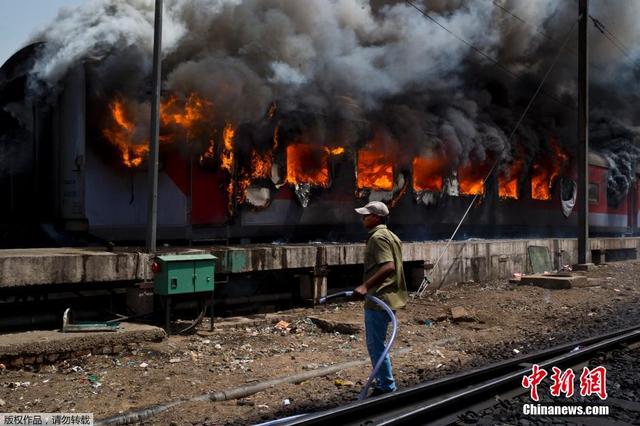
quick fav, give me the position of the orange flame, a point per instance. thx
(230, 191)
(374, 170)
(272, 110)
(194, 111)
(135, 155)
(260, 165)
(276, 137)
(307, 163)
(428, 172)
(226, 159)
(334, 151)
(209, 152)
(121, 136)
(191, 116)
(188, 119)
(544, 174)
(117, 109)
(471, 178)
(260, 168)
(508, 180)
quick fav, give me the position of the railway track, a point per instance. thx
(441, 401)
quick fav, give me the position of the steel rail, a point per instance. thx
(427, 400)
(483, 389)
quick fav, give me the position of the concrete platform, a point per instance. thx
(554, 282)
(471, 260)
(37, 347)
(25, 267)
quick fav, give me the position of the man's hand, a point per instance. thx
(360, 291)
(385, 270)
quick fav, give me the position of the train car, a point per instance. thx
(609, 216)
(76, 179)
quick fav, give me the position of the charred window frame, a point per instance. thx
(594, 193)
(614, 199)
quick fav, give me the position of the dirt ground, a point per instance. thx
(503, 320)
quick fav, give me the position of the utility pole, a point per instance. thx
(583, 133)
(152, 215)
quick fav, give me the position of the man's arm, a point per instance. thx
(376, 279)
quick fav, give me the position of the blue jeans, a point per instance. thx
(376, 323)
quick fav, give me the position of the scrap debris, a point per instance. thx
(460, 314)
(282, 325)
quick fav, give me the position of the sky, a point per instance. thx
(19, 19)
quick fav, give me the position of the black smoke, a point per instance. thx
(356, 65)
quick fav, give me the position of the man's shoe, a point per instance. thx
(378, 392)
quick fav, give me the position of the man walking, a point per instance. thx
(384, 279)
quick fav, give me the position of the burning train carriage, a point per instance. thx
(274, 180)
(298, 188)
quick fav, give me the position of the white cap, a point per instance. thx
(375, 207)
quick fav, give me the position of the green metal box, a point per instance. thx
(180, 274)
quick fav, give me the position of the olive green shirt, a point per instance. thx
(384, 246)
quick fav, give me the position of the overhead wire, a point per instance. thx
(612, 38)
(425, 282)
(512, 14)
(474, 48)
(482, 53)
(598, 24)
(603, 29)
(536, 29)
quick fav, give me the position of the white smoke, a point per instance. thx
(96, 29)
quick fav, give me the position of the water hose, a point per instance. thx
(142, 414)
(387, 348)
(148, 412)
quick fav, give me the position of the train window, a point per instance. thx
(594, 193)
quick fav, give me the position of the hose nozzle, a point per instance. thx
(336, 295)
